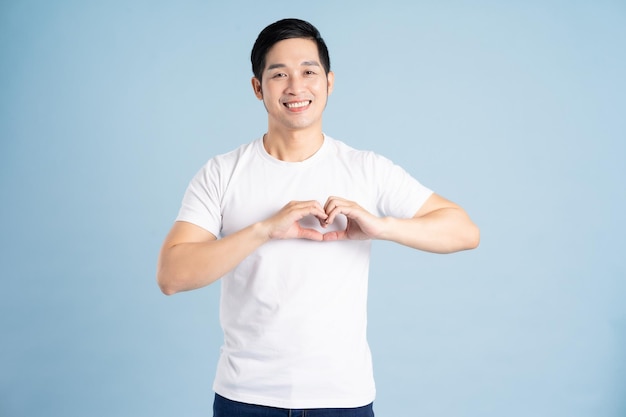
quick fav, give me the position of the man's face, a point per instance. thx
(295, 87)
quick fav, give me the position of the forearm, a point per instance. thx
(190, 265)
(192, 257)
(445, 230)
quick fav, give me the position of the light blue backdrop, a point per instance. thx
(516, 110)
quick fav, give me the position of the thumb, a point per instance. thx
(310, 234)
(333, 236)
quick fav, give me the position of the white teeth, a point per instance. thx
(296, 105)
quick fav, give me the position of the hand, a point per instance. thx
(361, 224)
(285, 224)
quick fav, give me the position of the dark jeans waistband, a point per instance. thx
(223, 407)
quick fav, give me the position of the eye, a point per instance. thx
(309, 72)
(279, 75)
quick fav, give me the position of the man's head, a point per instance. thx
(282, 30)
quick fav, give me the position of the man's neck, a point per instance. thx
(295, 146)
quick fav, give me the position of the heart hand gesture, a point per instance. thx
(361, 224)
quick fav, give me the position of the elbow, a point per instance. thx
(467, 239)
(167, 290)
(166, 283)
(472, 238)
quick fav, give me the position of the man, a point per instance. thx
(287, 222)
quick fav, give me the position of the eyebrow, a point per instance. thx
(304, 64)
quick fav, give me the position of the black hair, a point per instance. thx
(281, 30)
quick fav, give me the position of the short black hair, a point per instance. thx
(281, 30)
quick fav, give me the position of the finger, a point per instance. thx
(284, 224)
(323, 221)
(340, 209)
(310, 234)
(318, 211)
(332, 213)
(305, 208)
(331, 207)
(334, 236)
(331, 202)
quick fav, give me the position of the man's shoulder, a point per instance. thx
(239, 150)
(348, 151)
(234, 155)
(222, 165)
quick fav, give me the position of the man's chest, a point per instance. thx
(255, 195)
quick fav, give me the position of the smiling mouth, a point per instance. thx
(297, 104)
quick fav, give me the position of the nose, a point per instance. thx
(295, 85)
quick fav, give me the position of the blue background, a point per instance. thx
(515, 110)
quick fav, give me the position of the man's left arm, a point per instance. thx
(439, 226)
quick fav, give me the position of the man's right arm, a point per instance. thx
(192, 257)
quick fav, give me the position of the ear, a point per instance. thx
(256, 86)
(331, 81)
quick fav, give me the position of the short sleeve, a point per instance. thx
(399, 194)
(201, 202)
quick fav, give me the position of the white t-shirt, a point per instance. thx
(294, 311)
